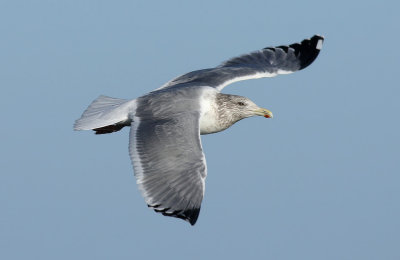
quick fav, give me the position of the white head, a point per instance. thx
(232, 108)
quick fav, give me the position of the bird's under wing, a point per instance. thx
(267, 62)
(169, 164)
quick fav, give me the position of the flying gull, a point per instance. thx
(166, 124)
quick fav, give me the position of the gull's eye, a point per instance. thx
(240, 103)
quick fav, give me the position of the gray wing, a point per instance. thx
(267, 62)
(169, 164)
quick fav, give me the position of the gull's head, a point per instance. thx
(238, 107)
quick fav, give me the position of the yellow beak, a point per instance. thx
(264, 112)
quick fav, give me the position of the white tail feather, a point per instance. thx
(105, 111)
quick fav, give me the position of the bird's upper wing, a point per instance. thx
(168, 161)
(267, 62)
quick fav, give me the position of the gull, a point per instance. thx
(166, 124)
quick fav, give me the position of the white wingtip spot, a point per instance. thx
(319, 45)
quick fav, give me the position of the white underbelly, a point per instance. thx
(209, 124)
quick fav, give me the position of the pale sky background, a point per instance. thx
(319, 181)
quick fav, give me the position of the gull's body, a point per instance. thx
(166, 124)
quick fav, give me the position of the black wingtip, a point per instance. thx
(192, 215)
(189, 215)
(307, 51)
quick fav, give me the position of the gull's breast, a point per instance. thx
(209, 117)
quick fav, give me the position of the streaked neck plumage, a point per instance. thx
(220, 112)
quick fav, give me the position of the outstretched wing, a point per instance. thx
(267, 62)
(169, 164)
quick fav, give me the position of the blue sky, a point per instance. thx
(319, 181)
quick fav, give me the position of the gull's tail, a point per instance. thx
(106, 115)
